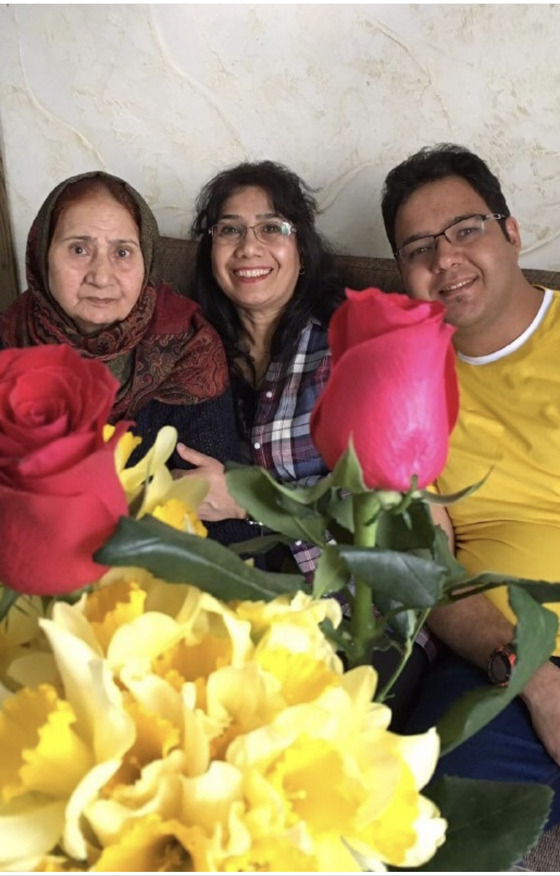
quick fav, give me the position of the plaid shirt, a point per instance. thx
(280, 438)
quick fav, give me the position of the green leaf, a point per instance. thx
(451, 498)
(402, 623)
(535, 639)
(179, 557)
(259, 545)
(491, 825)
(541, 591)
(331, 574)
(244, 478)
(278, 507)
(340, 512)
(348, 472)
(406, 532)
(7, 598)
(443, 555)
(405, 578)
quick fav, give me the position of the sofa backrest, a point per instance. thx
(357, 272)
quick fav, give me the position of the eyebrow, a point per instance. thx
(422, 234)
(258, 216)
(88, 237)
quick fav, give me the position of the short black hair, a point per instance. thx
(318, 290)
(433, 163)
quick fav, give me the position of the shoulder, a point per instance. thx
(175, 313)
(315, 335)
(314, 343)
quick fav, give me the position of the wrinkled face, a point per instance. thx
(257, 277)
(475, 280)
(95, 265)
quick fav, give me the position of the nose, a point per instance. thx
(446, 254)
(248, 244)
(100, 271)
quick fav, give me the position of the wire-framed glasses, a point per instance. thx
(269, 231)
(461, 232)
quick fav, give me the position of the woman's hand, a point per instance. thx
(218, 504)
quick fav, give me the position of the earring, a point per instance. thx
(301, 270)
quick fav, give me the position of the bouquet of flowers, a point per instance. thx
(167, 705)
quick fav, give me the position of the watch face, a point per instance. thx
(500, 665)
(501, 668)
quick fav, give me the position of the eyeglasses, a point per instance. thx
(271, 231)
(420, 250)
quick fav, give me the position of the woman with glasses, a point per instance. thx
(266, 281)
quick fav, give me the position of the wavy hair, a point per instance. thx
(318, 289)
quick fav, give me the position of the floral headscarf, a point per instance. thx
(164, 349)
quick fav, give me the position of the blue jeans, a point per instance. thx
(505, 750)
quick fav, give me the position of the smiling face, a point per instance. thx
(259, 278)
(479, 282)
(95, 264)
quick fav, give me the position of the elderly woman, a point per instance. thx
(266, 281)
(90, 259)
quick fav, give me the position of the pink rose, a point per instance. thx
(392, 388)
(60, 496)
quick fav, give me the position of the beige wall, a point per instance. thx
(166, 95)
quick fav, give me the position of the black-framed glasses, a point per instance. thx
(269, 231)
(461, 232)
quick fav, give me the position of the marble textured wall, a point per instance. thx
(166, 95)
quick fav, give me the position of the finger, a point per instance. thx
(192, 456)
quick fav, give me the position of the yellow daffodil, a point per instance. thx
(24, 654)
(210, 737)
(41, 751)
(150, 487)
(43, 760)
(155, 845)
(109, 608)
(293, 623)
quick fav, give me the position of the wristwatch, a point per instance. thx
(500, 665)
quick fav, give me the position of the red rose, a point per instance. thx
(392, 388)
(60, 496)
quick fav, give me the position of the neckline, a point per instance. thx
(517, 342)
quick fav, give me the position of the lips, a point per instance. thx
(456, 288)
(252, 273)
(100, 302)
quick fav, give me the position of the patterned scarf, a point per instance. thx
(164, 349)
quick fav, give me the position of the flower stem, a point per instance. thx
(366, 510)
(381, 695)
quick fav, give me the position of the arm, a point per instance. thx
(473, 627)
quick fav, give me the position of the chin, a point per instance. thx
(88, 328)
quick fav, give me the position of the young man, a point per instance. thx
(455, 241)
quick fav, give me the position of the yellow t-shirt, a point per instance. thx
(509, 422)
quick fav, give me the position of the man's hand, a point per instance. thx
(541, 695)
(218, 504)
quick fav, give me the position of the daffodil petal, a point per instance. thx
(94, 696)
(158, 791)
(30, 827)
(74, 841)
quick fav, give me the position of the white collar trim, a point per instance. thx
(519, 341)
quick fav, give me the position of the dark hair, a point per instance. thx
(318, 289)
(90, 185)
(433, 163)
